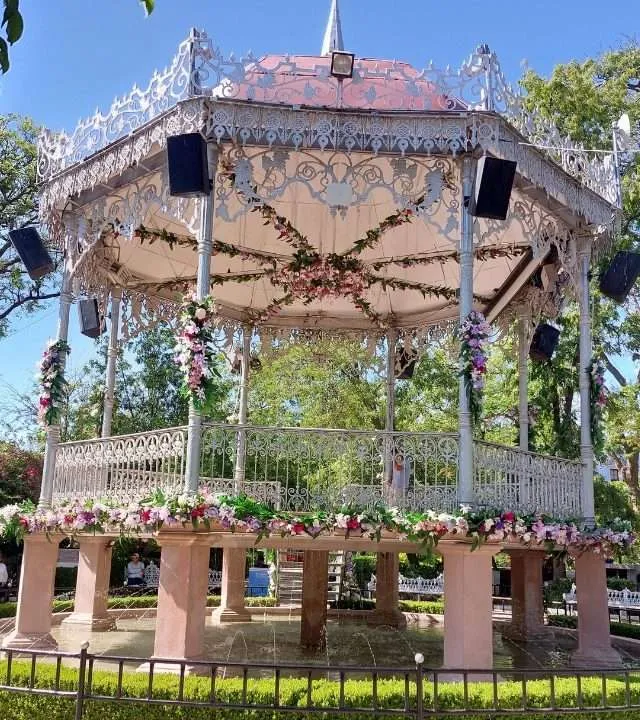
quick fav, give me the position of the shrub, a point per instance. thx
(554, 591)
(617, 629)
(131, 602)
(364, 566)
(430, 607)
(615, 583)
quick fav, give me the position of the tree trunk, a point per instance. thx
(632, 482)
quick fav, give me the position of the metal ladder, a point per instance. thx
(290, 569)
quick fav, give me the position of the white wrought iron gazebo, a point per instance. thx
(306, 164)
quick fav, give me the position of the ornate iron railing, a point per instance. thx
(309, 468)
(123, 467)
(527, 482)
(305, 468)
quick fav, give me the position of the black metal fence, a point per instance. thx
(305, 690)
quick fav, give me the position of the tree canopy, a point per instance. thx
(18, 209)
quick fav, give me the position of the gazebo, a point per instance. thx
(340, 204)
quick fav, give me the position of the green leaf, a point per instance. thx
(15, 26)
(4, 55)
(149, 5)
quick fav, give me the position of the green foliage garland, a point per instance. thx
(54, 385)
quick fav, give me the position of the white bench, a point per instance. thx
(414, 586)
(152, 577)
(618, 599)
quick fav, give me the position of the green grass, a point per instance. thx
(358, 694)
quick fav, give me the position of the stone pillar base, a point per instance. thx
(604, 658)
(89, 622)
(387, 611)
(539, 633)
(32, 629)
(232, 607)
(468, 611)
(313, 621)
(229, 615)
(166, 668)
(594, 641)
(182, 597)
(389, 618)
(29, 641)
(527, 606)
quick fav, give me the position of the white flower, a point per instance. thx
(201, 313)
(341, 521)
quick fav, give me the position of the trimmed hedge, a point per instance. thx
(618, 629)
(435, 607)
(9, 609)
(426, 607)
(293, 692)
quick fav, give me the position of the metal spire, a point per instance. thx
(333, 34)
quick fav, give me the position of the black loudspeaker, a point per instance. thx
(492, 188)
(618, 279)
(91, 323)
(544, 343)
(188, 165)
(29, 246)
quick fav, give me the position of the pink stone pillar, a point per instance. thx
(232, 607)
(37, 577)
(594, 642)
(92, 585)
(468, 589)
(182, 599)
(527, 613)
(387, 611)
(315, 595)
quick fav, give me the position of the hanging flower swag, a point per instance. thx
(53, 384)
(309, 275)
(212, 511)
(597, 399)
(474, 340)
(194, 351)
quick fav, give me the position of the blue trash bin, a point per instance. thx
(258, 585)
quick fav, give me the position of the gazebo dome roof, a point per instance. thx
(377, 85)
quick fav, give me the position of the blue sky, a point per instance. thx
(77, 55)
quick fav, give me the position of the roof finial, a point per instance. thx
(333, 34)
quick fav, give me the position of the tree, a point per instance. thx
(327, 383)
(584, 100)
(20, 474)
(147, 395)
(18, 209)
(623, 434)
(13, 25)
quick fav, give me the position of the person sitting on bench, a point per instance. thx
(135, 571)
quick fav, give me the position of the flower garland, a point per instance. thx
(474, 339)
(53, 383)
(597, 399)
(241, 514)
(194, 353)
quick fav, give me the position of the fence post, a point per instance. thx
(82, 670)
(419, 658)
